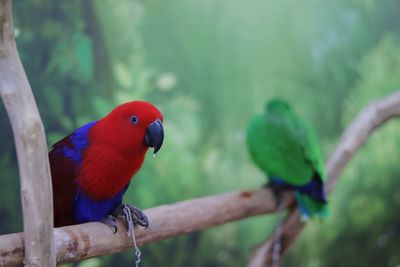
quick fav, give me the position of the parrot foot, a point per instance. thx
(277, 190)
(110, 220)
(136, 215)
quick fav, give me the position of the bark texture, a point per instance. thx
(93, 239)
(30, 141)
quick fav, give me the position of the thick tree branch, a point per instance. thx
(356, 134)
(92, 239)
(36, 193)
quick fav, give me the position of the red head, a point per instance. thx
(132, 127)
(118, 144)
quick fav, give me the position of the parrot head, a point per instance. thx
(133, 127)
(277, 105)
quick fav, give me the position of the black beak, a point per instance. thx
(154, 135)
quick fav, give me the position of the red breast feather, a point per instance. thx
(105, 171)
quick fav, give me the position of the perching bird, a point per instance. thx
(287, 150)
(92, 167)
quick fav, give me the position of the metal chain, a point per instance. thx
(128, 216)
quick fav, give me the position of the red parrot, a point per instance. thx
(92, 167)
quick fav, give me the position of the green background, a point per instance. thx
(209, 66)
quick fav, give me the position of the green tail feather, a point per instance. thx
(311, 209)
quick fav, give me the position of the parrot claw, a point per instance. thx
(277, 190)
(110, 220)
(137, 216)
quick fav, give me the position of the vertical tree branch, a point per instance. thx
(36, 191)
(355, 136)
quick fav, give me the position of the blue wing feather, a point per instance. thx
(78, 142)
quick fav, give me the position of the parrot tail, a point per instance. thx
(311, 208)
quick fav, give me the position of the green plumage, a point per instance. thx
(285, 147)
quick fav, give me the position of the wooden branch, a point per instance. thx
(93, 239)
(36, 192)
(356, 134)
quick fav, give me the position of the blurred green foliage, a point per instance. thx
(209, 66)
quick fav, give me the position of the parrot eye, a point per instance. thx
(134, 119)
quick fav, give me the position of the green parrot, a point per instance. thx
(286, 148)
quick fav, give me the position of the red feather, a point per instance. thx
(102, 178)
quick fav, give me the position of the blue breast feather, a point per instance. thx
(314, 188)
(89, 210)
